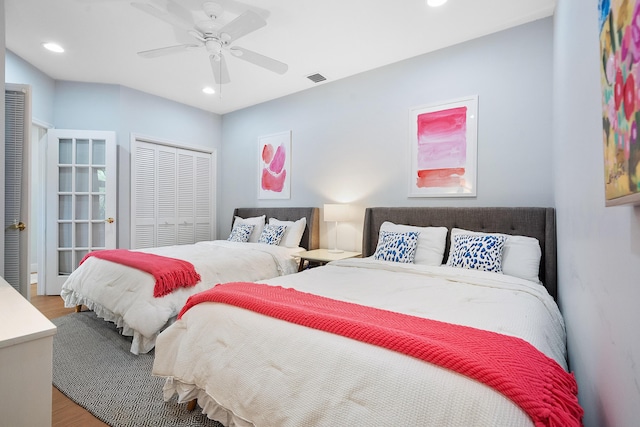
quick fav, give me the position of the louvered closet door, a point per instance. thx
(172, 195)
(204, 197)
(16, 195)
(194, 196)
(143, 196)
(186, 205)
(166, 207)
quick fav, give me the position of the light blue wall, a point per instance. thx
(350, 137)
(127, 111)
(94, 106)
(599, 248)
(18, 71)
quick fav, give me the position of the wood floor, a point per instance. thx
(65, 412)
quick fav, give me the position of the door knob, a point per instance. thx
(18, 226)
(109, 220)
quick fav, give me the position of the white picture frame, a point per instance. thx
(444, 145)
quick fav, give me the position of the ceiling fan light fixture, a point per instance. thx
(436, 3)
(213, 46)
(53, 47)
(209, 90)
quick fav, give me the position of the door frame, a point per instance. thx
(39, 211)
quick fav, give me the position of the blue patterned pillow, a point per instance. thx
(272, 234)
(241, 233)
(397, 247)
(477, 252)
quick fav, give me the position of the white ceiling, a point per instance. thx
(336, 38)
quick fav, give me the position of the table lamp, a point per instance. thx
(335, 213)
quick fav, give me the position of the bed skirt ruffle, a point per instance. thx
(140, 343)
(210, 407)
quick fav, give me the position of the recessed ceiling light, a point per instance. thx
(53, 47)
(209, 90)
(436, 3)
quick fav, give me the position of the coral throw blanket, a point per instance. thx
(512, 366)
(170, 273)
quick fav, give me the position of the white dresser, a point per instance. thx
(26, 353)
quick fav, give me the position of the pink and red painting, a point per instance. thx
(443, 149)
(619, 24)
(275, 166)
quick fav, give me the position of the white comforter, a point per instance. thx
(249, 369)
(124, 295)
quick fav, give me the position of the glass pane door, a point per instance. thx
(84, 219)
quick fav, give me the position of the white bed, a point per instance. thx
(124, 295)
(246, 368)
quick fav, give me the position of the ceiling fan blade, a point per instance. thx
(244, 24)
(259, 60)
(154, 53)
(237, 7)
(172, 13)
(219, 68)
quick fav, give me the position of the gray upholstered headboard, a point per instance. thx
(525, 221)
(310, 238)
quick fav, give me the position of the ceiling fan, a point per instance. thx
(217, 39)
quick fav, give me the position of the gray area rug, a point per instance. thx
(92, 365)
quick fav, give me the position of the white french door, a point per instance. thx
(81, 200)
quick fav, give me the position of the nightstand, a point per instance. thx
(319, 257)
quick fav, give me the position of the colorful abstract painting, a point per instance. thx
(275, 166)
(443, 149)
(620, 72)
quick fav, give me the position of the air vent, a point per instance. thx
(317, 78)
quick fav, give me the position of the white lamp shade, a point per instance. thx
(336, 212)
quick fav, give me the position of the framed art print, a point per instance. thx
(443, 140)
(274, 166)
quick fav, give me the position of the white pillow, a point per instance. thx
(257, 221)
(520, 255)
(431, 241)
(293, 233)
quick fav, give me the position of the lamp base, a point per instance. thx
(335, 251)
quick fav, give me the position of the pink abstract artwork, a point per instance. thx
(273, 173)
(444, 149)
(275, 166)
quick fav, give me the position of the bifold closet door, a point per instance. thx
(172, 195)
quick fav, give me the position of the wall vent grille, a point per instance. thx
(316, 78)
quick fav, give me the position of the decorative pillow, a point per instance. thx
(293, 233)
(520, 256)
(241, 233)
(272, 234)
(397, 247)
(477, 252)
(257, 221)
(431, 241)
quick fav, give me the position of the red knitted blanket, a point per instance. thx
(512, 366)
(170, 273)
